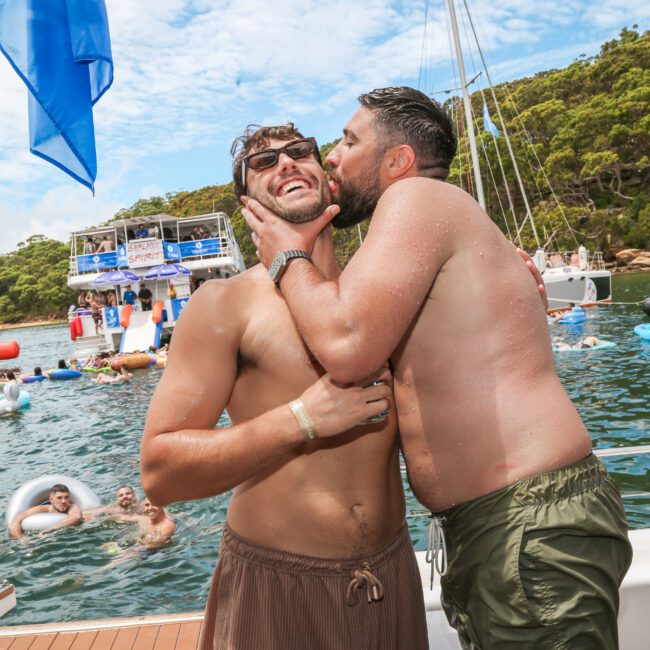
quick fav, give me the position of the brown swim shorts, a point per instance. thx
(263, 598)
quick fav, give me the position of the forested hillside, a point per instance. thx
(581, 136)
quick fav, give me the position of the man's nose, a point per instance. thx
(333, 157)
(285, 162)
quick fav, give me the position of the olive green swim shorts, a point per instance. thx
(538, 564)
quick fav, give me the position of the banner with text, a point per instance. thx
(147, 252)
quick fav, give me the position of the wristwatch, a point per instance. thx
(280, 261)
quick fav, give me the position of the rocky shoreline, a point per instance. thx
(629, 260)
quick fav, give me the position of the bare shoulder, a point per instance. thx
(440, 197)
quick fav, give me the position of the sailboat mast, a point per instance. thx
(468, 107)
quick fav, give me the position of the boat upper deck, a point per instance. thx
(200, 242)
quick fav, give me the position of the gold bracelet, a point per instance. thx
(306, 425)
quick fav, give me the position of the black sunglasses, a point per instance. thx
(269, 157)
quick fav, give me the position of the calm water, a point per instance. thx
(93, 433)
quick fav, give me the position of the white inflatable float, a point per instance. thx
(36, 491)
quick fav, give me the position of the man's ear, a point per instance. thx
(400, 161)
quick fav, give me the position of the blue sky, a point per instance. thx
(191, 74)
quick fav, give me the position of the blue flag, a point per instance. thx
(488, 124)
(61, 49)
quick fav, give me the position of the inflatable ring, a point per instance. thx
(132, 361)
(643, 330)
(37, 490)
(23, 401)
(61, 373)
(30, 379)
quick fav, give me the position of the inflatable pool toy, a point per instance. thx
(643, 330)
(30, 379)
(20, 404)
(37, 490)
(9, 349)
(576, 315)
(132, 361)
(602, 346)
(63, 373)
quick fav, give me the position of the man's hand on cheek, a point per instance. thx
(272, 234)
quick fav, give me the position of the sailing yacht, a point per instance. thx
(575, 276)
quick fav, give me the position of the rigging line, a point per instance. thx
(494, 183)
(424, 45)
(541, 166)
(503, 175)
(505, 132)
(505, 185)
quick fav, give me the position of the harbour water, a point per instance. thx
(93, 433)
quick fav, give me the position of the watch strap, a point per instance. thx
(280, 261)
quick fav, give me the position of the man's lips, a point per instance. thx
(292, 183)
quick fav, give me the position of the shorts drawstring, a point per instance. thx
(361, 577)
(436, 548)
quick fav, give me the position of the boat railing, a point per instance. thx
(168, 251)
(571, 259)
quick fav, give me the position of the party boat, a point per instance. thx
(167, 255)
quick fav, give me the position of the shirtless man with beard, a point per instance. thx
(315, 553)
(534, 528)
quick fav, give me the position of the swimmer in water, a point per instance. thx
(60, 502)
(126, 503)
(103, 378)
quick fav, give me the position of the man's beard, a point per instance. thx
(358, 199)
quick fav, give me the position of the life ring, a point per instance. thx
(30, 379)
(63, 373)
(132, 361)
(23, 401)
(37, 490)
(9, 349)
(643, 330)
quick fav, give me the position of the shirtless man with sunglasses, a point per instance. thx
(315, 553)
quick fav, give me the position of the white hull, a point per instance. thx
(568, 284)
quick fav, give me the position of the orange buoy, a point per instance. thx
(156, 312)
(73, 329)
(125, 316)
(9, 349)
(78, 325)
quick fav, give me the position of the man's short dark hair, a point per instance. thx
(11, 375)
(403, 115)
(59, 487)
(257, 137)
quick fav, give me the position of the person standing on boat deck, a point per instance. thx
(106, 245)
(145, 297)
(315, 553)
(59, 501)
(534, 527)
(129, 295)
